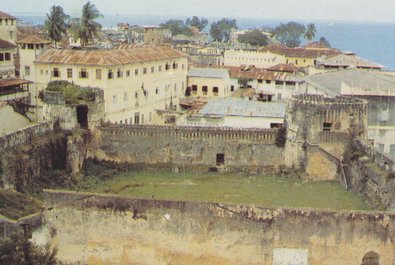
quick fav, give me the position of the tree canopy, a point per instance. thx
(290, 33)
(220, 30)
(310, 32)
(254, 37)
(87, 28)
(197, 22)
(325, 42)
(55, 24)
(176, 27)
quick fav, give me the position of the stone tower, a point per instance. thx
(314, 121)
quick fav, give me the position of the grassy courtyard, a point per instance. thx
(272, 191)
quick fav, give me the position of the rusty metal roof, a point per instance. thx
(13, 82)
(34, 39)
(122, 55)
(4, 15)
(261, 73)
(6, 45)
(300, 52)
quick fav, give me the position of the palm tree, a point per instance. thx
(88, 28)
(55, 24)
(310, 32)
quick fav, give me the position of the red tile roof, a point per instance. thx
(289, 68)
(4, 15)
(6, 45)
(122, 55)
(300, 52)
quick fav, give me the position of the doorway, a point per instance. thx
(82, 116)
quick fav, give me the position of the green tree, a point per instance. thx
(196, 22)
(220, 30)
(254, 37)
(87, 28)
(325, 42)
(176, 27)
(290, 33)
(310, 32)
(55, 24)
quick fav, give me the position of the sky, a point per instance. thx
(329, 10)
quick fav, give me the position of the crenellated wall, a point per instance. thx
(251, 150)
(105, 229)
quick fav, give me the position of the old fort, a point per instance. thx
(144, 146)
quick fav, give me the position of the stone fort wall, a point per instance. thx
(104, 229)
(252, 150)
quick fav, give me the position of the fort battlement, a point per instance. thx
(192, 132)
(385, 161)
(320, 100)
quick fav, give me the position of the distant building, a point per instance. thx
(156, 35)
(277, 83)
(8, 27)
(11, 120)
(378, 89)
(236, 113)
(346, 60)
(136, 80)
(208, 82)
(263, 59)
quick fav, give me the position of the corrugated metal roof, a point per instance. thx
(4, 15)
(6, 45)
(34, 39)
(300, 52)
(261, 73)
(353, 78)
(208, 73)
(347, 60)
(239, 107)
(118, 56)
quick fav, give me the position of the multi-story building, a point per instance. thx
(278, 54)
(8, 27)
(137, 80)
(209, 83)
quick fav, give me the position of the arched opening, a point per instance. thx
(371, 258)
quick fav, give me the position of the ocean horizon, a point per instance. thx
(369, 40)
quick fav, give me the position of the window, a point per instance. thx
(194, 90)
(83, 73)
(381, 147)
(260, 81)
(220, 159)
(157, 91)
(46, 72)
(326, 127)
(1, 22)
(110, 74)
(1, 57)
(160, 68)
(125, 96)
(175, 65)
(392, 149)
(215, 91)
(152, 69)
(204, 90)
(144, 70)
(114, 99)
(42, 71)
(167, 66)
(136, 71)
(183, 66)
(279, 96)
(136, 95)
(69, 73)
(296, 62)
(7, 56)
(98, 73)
(23, 46)
(119, 73)
(6, 21)
(27, 70)
(55, 72)
(137, 118)
(232, 88)
(12, 22)
(11, 35)
(30, 46)
(127, 72)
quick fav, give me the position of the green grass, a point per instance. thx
(271, 191)
(15, 205)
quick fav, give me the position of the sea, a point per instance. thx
(372, 41)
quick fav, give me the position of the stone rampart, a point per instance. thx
(103, 229)
(251, 150)
(25, 135)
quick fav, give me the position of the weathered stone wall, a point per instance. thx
(251, 150)
(119, 230)
(371, 173)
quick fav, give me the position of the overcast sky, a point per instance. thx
(347, 10)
